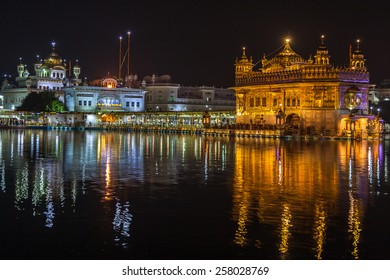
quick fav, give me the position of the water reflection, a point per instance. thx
(38, 187)
(354, 224)
(309, 184)
(320, 221)
(290, 199)
(21, 186)
(285, 233)
(2, 174)
(121, 223)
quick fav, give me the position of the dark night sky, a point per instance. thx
(196, 42)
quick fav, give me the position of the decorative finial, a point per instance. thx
(287, 40)
(53, 44)
(357, 43)
(322, 39)
(243, 52)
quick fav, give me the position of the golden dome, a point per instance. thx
(53, 59)
(284, 59)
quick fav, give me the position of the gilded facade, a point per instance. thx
(306, 96)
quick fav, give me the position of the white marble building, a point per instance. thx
(49, 74)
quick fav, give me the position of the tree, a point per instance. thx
(55, 106)
(45, 101)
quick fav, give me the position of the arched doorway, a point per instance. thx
(293, 122)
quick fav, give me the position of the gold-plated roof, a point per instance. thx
(53, 59)
(285, 58)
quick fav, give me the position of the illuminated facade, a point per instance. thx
(104, 98)
(165, 96)
(306, 96)
(51, 74)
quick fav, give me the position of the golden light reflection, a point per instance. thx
(285, 230)
(241, 231)
(354, 224)
(319, 229)
(99, 149)
(241, 203)
(206, 160)
(291, 175)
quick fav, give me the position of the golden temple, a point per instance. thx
(306, 96)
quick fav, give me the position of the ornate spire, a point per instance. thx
(53, 59)
(322, 56)
(243, 53)
(244, 64)
(285, 59)
(287, 50)
(357, 61)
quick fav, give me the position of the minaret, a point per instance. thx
(76, 72)
(357, 60)
(25, 73)
(20, 68)
(37, 66)
(322, 56)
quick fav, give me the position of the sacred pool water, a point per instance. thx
(123, 195)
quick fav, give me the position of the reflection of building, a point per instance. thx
(106, 97)
(162, 95)
(307, 94)
(290, 187)
(50, 75)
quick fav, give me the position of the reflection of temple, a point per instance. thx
(296, 194)
(306, 95)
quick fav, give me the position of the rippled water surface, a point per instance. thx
(103, 195)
